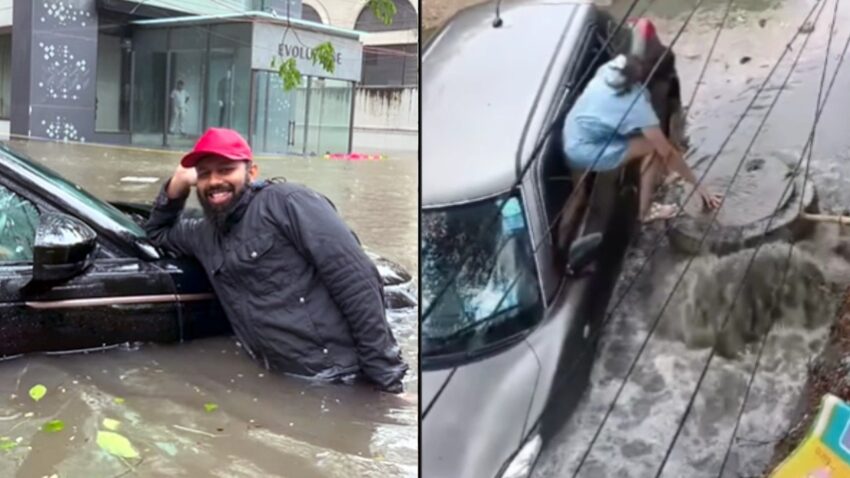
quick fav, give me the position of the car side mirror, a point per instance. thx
(63, 248)
(583, 252)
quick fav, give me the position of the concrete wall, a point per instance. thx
(386, 119)
(344, 13)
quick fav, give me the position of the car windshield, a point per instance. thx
(99, 210)
(495, 296)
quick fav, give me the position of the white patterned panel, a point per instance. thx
(64, 75)
(66, 12)
(61, 129)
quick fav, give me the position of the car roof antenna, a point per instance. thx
(498, 21)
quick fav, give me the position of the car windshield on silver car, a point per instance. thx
(495, 296)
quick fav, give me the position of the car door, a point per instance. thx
(118, 299)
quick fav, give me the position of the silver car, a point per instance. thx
(508, 344)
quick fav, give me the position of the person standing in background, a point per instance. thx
(179, 109)
(224, 86)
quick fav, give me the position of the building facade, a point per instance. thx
(386, 101)
(158, 73)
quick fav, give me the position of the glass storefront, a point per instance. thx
(330, 116)
(190, 78)
(150, 91)
(229, 80)
(5, 75)
(274, 112)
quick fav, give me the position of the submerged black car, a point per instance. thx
(78, 273)
(510, 319)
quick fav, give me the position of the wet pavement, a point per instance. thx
(264, 424)
(641, 427)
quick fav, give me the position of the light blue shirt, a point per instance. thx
(600, 113)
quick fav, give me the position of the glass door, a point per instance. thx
(274, 125)
(220, 98)
(299, 120)
(329, 120)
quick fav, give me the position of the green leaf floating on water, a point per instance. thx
(37, 392)
(119, 400)
(53, 426)
(111, 424)
(7, 444)
(210, 407)
(116, 444)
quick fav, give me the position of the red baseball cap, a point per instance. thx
(222, 142)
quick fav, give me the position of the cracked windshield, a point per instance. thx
(209, 238)
(635, 243)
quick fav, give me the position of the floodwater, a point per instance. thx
(641, 427)
(264, 424)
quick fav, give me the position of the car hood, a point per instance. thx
(477, 413)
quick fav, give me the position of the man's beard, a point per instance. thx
(217, 216)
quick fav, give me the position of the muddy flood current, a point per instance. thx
(204, 408)
(641, 427)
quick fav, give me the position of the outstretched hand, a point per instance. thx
(710, 201)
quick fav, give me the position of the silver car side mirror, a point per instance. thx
(583, 252)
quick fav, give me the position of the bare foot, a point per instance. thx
(660, 212)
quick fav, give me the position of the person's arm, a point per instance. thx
(164, 226)
(674, 160)
(669, 154)
(310, 221)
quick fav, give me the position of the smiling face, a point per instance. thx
(221, 182)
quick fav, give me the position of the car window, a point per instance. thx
(18, 222)
(79, 198)
(496, 294)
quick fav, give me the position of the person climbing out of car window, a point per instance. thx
(612, 124)
(301, 294)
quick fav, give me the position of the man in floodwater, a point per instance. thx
(301, 294)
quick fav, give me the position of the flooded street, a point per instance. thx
(261, 424)
(641, 427)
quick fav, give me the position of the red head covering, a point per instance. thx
(221, 142)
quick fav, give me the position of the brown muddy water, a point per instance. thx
(264, 424)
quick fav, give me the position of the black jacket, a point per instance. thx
(301, 294)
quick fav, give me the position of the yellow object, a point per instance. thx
(825, 452)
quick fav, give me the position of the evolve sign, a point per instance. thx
(300, 52)
(269, 41)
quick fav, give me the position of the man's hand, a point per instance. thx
(182, 182)
(406, 397)
(409, 398)
(395, 388)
